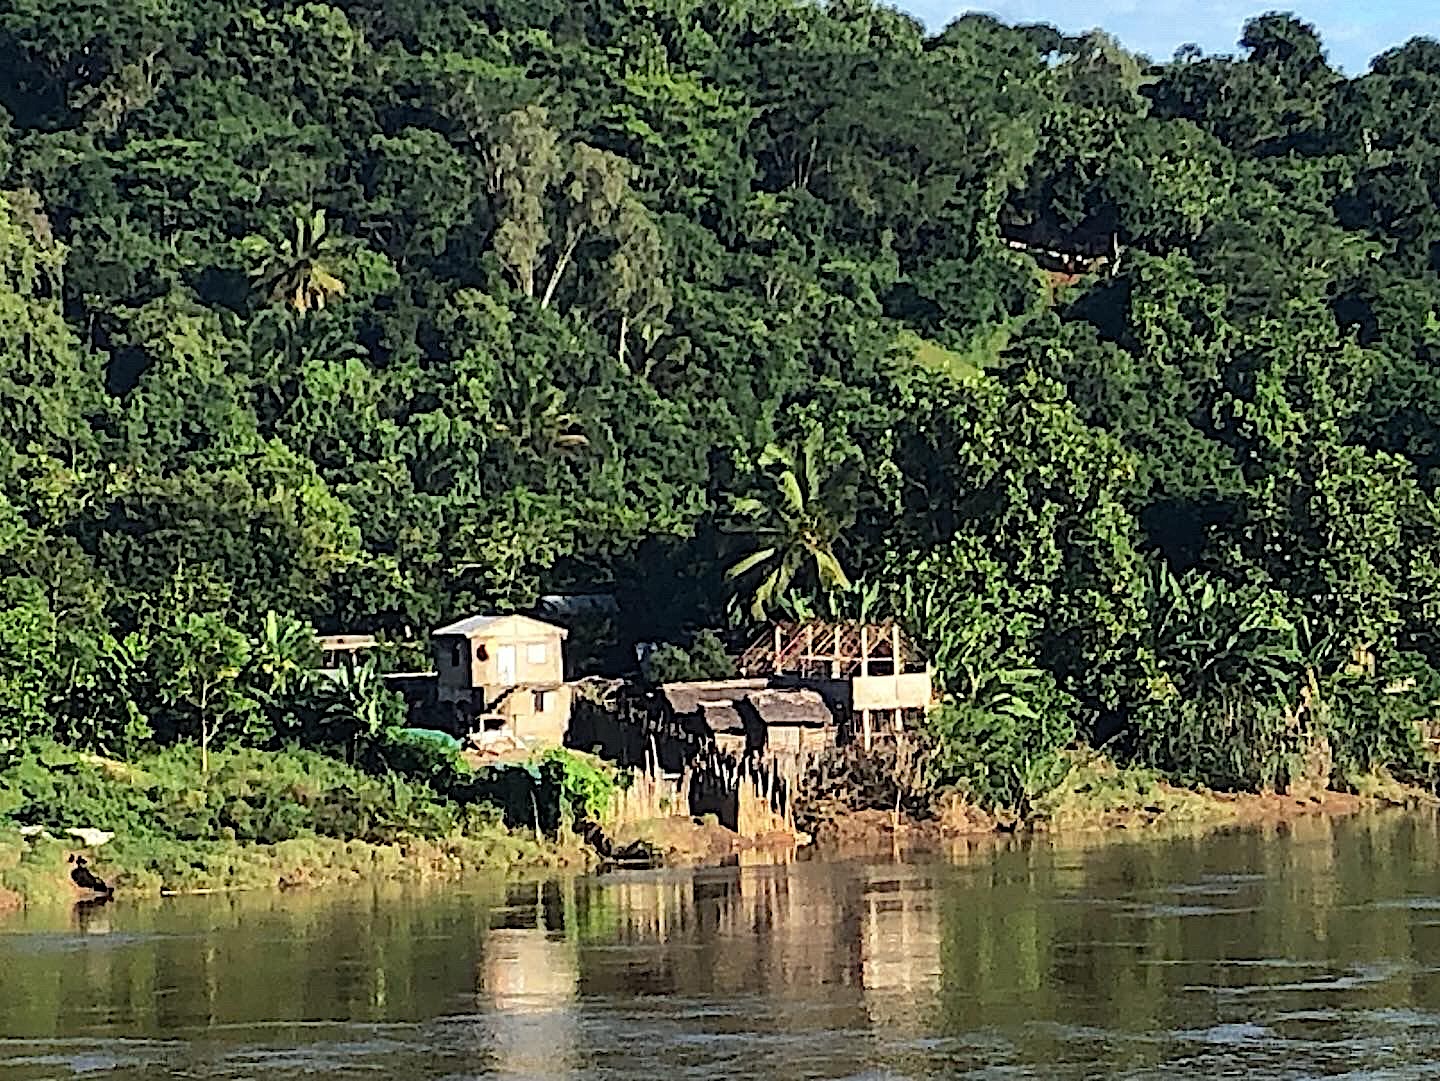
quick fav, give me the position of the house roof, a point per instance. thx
(779, 708)
(493, 626)
(569, 604)
(826, 650)
(722, 705)
(336, 643)
(686, 698)
(714, 703)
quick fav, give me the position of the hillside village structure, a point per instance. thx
(504, 672)
(801, 688)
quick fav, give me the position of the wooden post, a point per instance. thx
(864, 671)
(835, 655)
(775, 664)
(895, 646)
(866, 735)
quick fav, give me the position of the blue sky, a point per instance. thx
(1353, 30)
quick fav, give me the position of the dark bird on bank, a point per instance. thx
(87, 879)
(636, 852)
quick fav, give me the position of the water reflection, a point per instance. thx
(529, 978)
(1311, 949)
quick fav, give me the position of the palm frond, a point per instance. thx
(832, 575)
(789, 487)
(749, 563)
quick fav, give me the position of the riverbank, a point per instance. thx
(39, 872)
(267, 820)
(1097, 797)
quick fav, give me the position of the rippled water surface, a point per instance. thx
(1312, 951)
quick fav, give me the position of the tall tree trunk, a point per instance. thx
(572, 241)
(205, 731)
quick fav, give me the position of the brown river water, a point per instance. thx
(1306, 951)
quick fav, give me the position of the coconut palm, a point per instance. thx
(805, 512)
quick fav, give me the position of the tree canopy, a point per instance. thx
(368, 314)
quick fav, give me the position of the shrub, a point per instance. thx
(1001, 746)
(1223, 740)
(249, 796)
(891, 776)
(704, 658)
(1373, 723)
(553, 791)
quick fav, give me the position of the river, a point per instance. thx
(1306, 951)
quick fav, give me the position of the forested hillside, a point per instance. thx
(375, 313)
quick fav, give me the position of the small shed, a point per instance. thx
(710, 710)
(504, 672)
(339, 651)
(796, 723)
(749, 716)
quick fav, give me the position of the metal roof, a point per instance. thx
(723, 704)
(477, 626)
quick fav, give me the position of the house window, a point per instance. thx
(540, 701)
(455, 655)
(535, 653)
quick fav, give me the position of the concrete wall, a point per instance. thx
(546, 722)
(538, 658)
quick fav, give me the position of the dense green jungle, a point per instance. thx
(1113, 380)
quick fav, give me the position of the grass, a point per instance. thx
(983, 352)
(258, 820)
(38, 873)
(1097, 794)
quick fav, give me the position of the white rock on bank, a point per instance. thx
(90, 837)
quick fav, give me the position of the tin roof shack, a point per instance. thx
(710, 710)
(504, 673)
(797, 724)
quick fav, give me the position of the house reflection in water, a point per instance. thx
(527, 985)
(808, 945)
(862, 948)
(899, 944)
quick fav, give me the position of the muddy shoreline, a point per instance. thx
(683, 842)
(870, 831)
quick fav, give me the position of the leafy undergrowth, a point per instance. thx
(259, 819)
(1097, 794)
(253, 796)
(1381, 787)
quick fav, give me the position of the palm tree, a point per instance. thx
(807, 509)
(294, 271)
